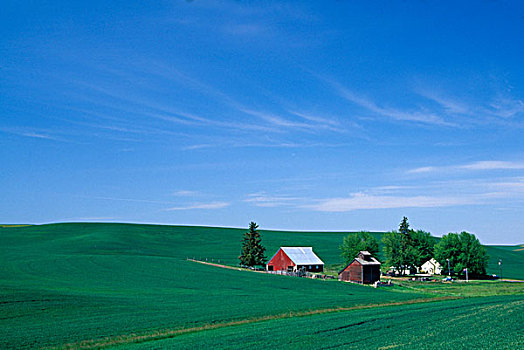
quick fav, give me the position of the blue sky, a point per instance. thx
(299, 115)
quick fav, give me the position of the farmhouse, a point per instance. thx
(295, 259)
(363, 269)
(432, 267)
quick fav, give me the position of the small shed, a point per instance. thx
(363, 269)
(432, 267)
(295, 259)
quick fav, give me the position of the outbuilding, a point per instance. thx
(363, 269)
(293, 259)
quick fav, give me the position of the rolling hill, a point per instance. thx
(68, 283)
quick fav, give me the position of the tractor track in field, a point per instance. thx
(224, 266)
(132, 338)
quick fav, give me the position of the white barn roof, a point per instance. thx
(302, 255)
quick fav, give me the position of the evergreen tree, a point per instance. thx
(253, 252)
(404, 226)
(397, 247)
(355, 242)
(407, 249)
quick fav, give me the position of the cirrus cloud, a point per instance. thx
(364, 201)
(209, 206)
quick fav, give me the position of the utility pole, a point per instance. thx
(449, 270)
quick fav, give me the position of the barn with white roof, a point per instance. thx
(295, 259)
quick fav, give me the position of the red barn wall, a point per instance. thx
(353, 272)
(280, 261)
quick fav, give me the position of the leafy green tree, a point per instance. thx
(406, 248)
(393, 251)
(463, 251)
(398, 248)
(253, 252)
(355, 242)
(422, 247)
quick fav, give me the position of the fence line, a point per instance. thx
(299, 273)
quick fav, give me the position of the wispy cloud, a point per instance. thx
(438, 108)
(419, 116)
(33, 133)
(264, 200)
(480, 165)
(359, 201)
(37, 135)
(209, 206)
(424, 169)
(397, 114)
(499, 109)
(510, 187)
(493, 165)
(141, 107)
(448, 104)
(428, 195)
(306, 123)
(317, 119)
(507, 107)
(267, 143)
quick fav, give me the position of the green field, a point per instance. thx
(480, 323)
(68, 283)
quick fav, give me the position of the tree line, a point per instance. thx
(407, 249)
(403, 249)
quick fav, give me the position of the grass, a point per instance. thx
(512, 261)
(67, 283)
(475, 323)
(463, 289)
(130, 339)
(71, 282)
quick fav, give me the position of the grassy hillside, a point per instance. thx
(439, 325)
(213, 243)
(512, 261)
(65, 283)
(70, 282)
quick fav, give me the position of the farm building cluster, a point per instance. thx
(364, 268)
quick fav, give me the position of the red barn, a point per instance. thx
(294, 259)
(363, 269)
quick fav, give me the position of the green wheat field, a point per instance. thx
(86, 286)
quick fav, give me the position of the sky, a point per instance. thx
(299, 115)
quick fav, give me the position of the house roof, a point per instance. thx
(433, 262)
(302, 255)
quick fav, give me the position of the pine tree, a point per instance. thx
(253, 252)
(407, 249)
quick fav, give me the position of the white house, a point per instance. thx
(432, 267)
